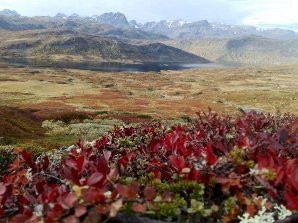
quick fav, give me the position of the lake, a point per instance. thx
(106, 66)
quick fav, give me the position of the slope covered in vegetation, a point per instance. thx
(214, 169)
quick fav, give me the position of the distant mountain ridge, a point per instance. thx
(53, 45)
(183, 30)
(111, 25)
(220, 43)
(7, 12)
(174, 29)
(252, 50)
(115, 19)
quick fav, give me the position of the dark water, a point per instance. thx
(106, 66)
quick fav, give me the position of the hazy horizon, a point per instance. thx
(260, 13)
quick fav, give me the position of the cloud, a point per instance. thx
(214, 10)
(267, 12)
(248, 12)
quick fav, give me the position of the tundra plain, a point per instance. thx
(29, 96)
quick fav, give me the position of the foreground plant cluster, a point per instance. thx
(216, 169)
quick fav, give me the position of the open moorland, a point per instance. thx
(30, 96)
(194, 122)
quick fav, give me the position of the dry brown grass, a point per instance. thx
(29, 96)
(162, 95)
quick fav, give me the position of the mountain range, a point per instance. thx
(175, 29)
(251, 50)
(229, 44)
(66, 45)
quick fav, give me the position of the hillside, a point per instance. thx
(184, 30)
(251, 50)
(15, 121)
(113, 25)
(72, 46)
(111, 37)
(174, 29)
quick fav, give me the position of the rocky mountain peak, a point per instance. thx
(135, 25)
(10, 13)
(60, 15)
(74, 16)
(115, 19)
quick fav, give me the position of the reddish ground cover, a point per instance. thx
(216, 168)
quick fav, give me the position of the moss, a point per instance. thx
(102, 112)
(144, 116)
(167, 210)
(186, 118)
(178, 187)
(237, 155)
(230, 203)
(6, 157)
(67, 117)
(48, 142)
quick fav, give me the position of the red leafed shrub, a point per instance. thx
(216, 168)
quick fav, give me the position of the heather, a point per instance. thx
(213, 169)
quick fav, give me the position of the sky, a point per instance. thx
(261, 13)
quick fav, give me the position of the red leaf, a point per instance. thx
(243, 142)
(292, 201)
(280, 175)
(103, 166)
(55, 212)
(132, 191)
(170, 140)
(211, 158)
(70, 219)
(46, 163)
(27, 215)
(107, 155)
(167, 196)
(71, 174)
(155, 145)
(139, 208)
(251, 210)
(195, 174)
(114, 174)
(2, 189)
(227, 183)
(23, 200)
(94, 178)
(266, 161)
(69, 200)
(70, 162)
(28, 159)
(157, 174)
(80, 163)
(123, 161)
(79, 211)
(292, 173)
(126, 158)
(18, 150)
(121, 189)
(149, 193)
(13, 166)
(93, 194)
(177, 161)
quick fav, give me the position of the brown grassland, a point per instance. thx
(30, 95)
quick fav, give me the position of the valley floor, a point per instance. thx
(44, 94)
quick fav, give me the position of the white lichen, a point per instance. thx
(267, 215)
